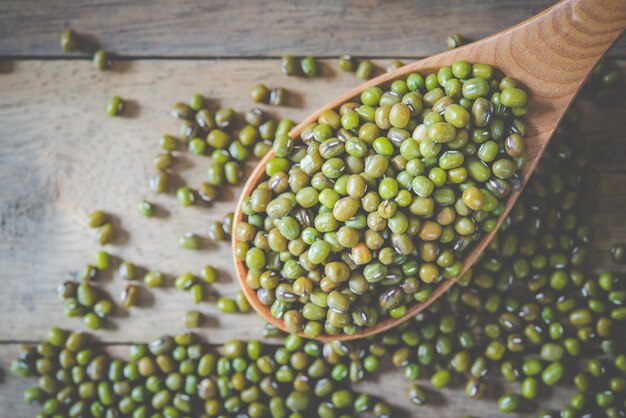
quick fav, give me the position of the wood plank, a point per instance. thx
(257, 28)
(63, 157)
(389, 385)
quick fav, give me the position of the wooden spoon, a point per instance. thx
(551, 54)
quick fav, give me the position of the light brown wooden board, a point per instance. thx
(62, 156)
(257, 28)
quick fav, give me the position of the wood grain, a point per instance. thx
(62, 157)
(257, 28)
(532, 52)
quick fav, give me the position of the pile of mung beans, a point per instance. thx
(381, 197)
(529, 312)
(178, 376)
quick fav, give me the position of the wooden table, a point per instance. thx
(61, 156)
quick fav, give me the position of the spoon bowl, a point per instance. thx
(551, 55)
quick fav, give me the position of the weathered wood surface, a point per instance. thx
(62, 156)
(257, 28)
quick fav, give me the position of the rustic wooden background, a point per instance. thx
(61, 156)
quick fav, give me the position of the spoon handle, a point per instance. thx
(551, 54)
(555, 51)
(564, 43)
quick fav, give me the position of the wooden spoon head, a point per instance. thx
(551, 54)
(422, 67)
